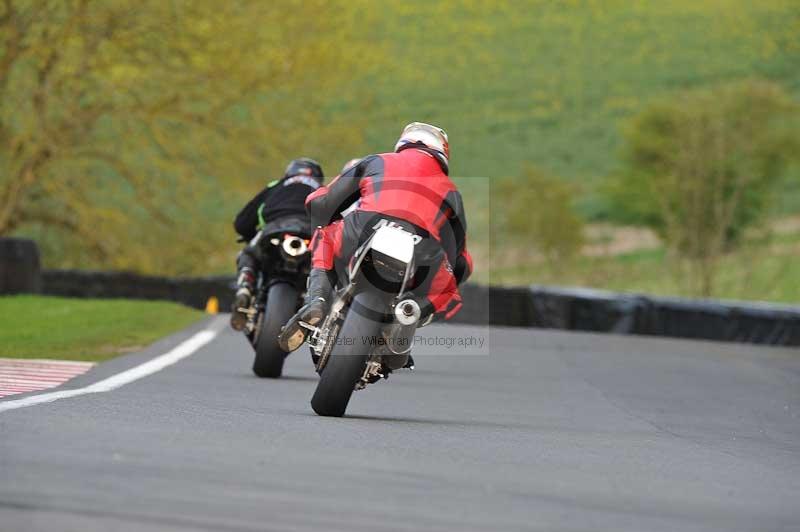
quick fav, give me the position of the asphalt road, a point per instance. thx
(543, 431)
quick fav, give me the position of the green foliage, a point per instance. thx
(85, 329)
(511, 81)
(764, 270)
(536, 212)
(549, 82)
(129, 128)
(700, 167)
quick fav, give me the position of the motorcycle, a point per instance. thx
(369, 329)
(279, 290)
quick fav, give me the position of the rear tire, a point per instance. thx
(281, 305)
(346, 363)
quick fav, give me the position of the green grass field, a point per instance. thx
(85, 329)
(540, 82)
(761, 271)
(551, 82)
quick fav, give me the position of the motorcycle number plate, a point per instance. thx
(395, 243)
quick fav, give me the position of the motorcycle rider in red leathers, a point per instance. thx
(409, 188)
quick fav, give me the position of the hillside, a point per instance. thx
(514, 83)
(551, 82)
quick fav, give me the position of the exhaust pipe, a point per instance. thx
(407, 312)
(294, 246)
(400, 335)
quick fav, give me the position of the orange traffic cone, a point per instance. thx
(212, 306)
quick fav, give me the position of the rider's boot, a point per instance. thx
(318, 294)
(243, 299)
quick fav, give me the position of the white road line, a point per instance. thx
(181, 351)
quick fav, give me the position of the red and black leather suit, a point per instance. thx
(412, 189)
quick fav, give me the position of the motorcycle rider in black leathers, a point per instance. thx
(281, 199)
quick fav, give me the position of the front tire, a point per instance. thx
(346, 363)
(281, 305)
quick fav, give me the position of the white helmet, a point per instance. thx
(431, 137)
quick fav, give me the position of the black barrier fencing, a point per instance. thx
(191, 291)
(19, 266)
(580, 309)
(535, 306)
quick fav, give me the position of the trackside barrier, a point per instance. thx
(19, 266)
(581, 309)
(534, 306)
(191, 291)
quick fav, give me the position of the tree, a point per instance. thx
(537, 210)
(699, 168)
(123, 122)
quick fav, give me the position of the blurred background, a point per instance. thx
(649, 146)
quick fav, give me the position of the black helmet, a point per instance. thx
(305, 166)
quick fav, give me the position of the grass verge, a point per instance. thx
(85, 329)
(756, 274)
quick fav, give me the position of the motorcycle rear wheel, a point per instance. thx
(281, 305)
(347, 361)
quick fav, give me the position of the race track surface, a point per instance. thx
(544, 431)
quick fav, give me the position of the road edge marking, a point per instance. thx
(154, 365)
